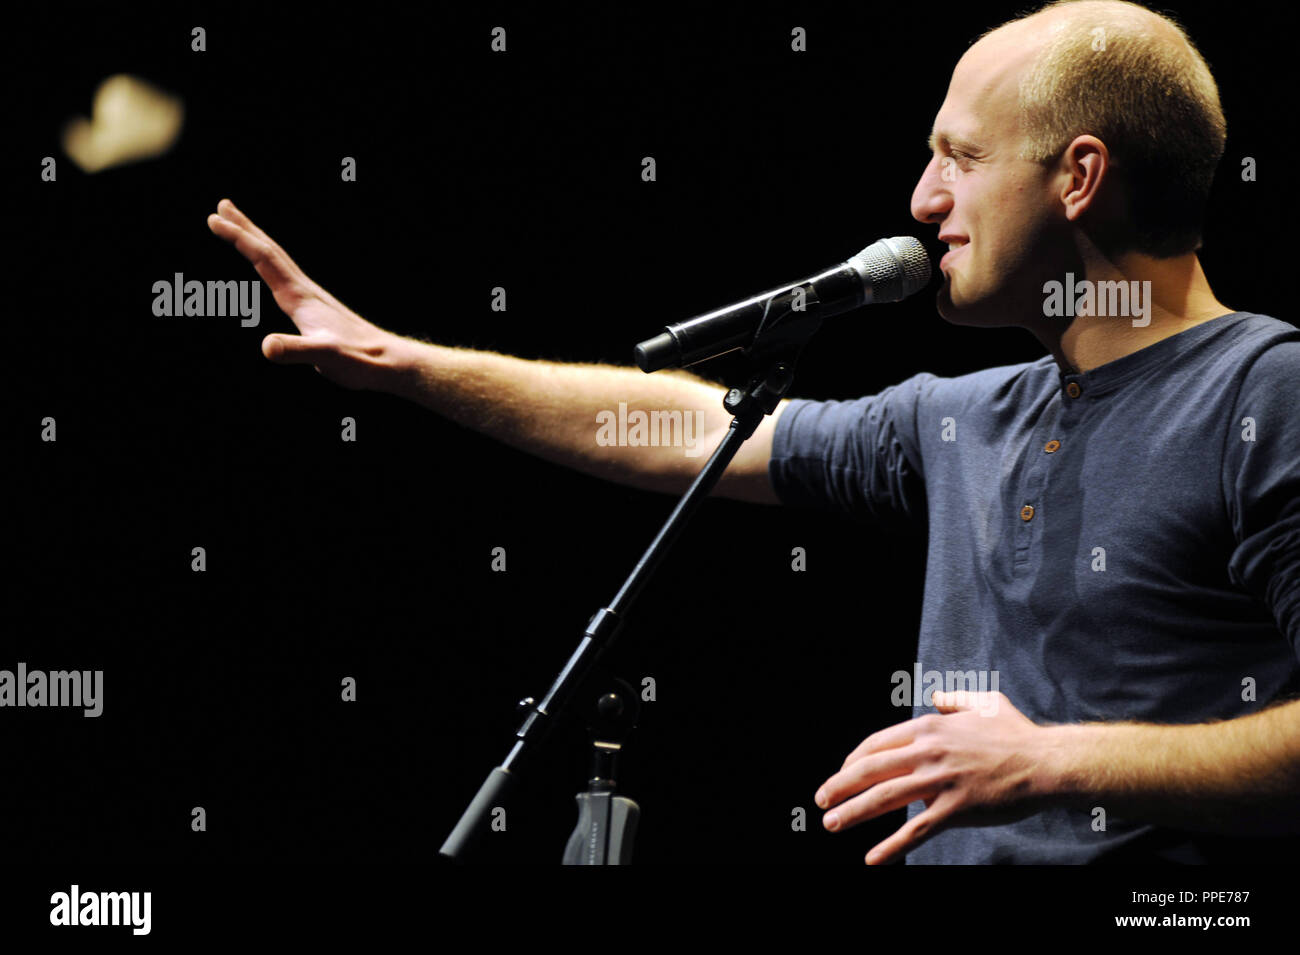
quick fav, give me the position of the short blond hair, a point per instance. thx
(1112, 71)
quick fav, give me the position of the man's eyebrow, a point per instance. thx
(948, 141)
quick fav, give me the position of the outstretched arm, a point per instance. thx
(545, 408)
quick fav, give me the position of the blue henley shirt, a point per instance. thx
(1122, 544)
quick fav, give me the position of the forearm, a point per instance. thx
(1237, 776)
(649, 431)
(569, 413)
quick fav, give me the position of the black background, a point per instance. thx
(372, 559)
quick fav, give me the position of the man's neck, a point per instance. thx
(1177, 298)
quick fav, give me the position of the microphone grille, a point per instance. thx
(892, 269)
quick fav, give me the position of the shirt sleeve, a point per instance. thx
(860, 457)
(1262, 486)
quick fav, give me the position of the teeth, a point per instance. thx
(955, 245)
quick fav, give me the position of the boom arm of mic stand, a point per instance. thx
(773, 360)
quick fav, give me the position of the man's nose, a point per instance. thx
(931, 199)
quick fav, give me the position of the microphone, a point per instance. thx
(885, 271)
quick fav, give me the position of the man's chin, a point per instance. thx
(957, 313)
(984, 311)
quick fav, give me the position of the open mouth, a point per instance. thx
(954, 248)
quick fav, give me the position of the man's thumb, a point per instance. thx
(288, 349)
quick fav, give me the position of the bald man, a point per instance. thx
(1112, 599)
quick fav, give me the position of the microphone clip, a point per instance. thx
(790, 318)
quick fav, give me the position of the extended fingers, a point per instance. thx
(863, 773)
(913, 833)
(228, 210)
(884, 797)
(271, 262)
(900, 734)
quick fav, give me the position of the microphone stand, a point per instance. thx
(606, 822)
(791, 317)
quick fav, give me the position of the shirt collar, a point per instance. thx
(1113, 374)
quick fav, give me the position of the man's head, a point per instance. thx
(1088, 125)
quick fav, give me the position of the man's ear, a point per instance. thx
(1088, 177)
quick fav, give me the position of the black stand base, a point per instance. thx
(606, 822)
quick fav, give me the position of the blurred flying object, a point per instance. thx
(131, 120)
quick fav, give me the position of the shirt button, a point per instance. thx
(1027, 512)
(1051, 446)
(1072, 389)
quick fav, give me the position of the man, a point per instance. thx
(1114, 530)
